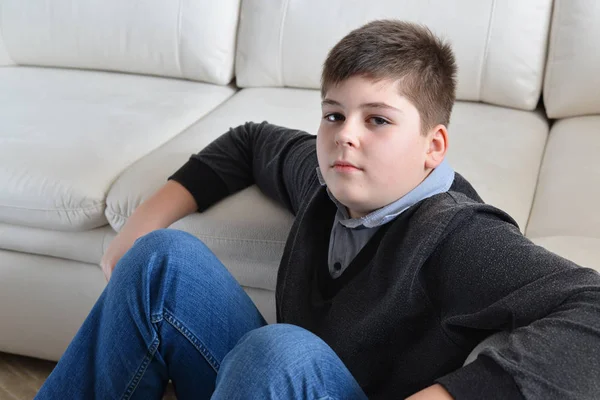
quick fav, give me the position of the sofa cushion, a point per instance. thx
(193, 39)
(4, 57)
(86, 247)
(565, 215)
(500, 45)
(67, 135)
(572, 82)
(498, 149)
(246, 231)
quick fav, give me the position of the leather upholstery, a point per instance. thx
(500, 45)
(191, 39)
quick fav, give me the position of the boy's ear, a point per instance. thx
(437, 141)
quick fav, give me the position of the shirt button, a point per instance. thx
(337, 266)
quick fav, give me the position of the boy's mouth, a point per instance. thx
(345, 166)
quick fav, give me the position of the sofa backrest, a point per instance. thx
(192, 39)
(4, 57)
(572, 80)
(500, 45)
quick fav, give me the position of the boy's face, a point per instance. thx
(369, 145)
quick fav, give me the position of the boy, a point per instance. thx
(394, 269)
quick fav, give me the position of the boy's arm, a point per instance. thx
(169, 204)
(433, 392)
(489, 277)
(280, 161)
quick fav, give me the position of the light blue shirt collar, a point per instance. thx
(438, 181)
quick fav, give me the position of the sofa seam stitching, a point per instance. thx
(486, 51)
(241, 240)
(537, 182)
(11, 61)
(551, 45)
(102, 204)
(179, 40)
(217, 237)
(281, 30)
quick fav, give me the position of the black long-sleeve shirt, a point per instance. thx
(425, 290)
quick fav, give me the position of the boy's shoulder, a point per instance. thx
(462, 206)
(455, 224)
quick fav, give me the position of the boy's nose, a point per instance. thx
(346, 137)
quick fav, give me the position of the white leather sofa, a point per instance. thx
(100, 101)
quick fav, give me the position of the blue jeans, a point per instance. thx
(172, 311)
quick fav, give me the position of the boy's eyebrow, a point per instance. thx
(365, 105)
(330, 103)
(379, 105)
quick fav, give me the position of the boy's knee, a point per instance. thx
(152, 250)
(279, 335)
(281, 346)
(276, 361)
(162, 242)
(165, 240)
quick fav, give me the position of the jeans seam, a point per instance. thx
(156, 318)
(197, 343)
(142, 368)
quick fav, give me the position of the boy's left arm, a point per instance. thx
(487, 277)
(434, 392)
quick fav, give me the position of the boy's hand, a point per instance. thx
(118, 247)
(169, 204)
(435, 392)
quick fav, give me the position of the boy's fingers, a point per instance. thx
(106, 270)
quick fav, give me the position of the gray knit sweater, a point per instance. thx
(427, 287)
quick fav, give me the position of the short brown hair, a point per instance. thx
(403, 51)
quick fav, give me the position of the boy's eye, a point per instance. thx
(334, 117)
(378, 121)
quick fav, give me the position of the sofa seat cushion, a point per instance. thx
(86, 247)
(68, 134)
(565, 215)
(498, 149)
